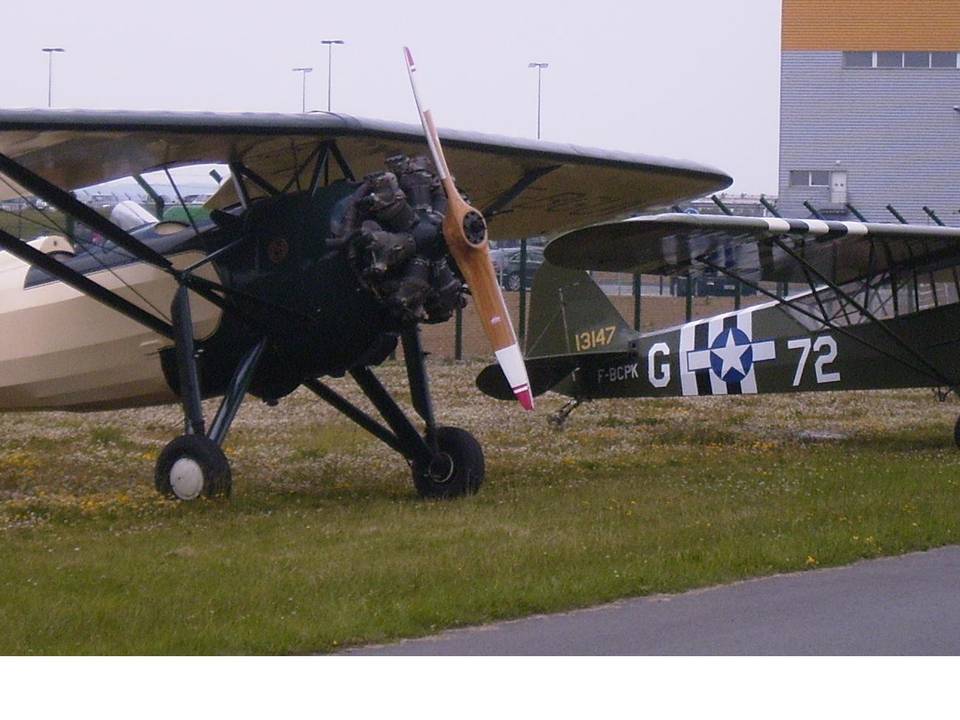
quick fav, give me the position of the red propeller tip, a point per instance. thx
(525, 397)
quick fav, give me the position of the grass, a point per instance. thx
(325, 545)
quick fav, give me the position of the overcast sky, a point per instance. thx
(689, 79)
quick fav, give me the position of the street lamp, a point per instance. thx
(50, 51)
(540, 67)
(330, 44)
(304, 71)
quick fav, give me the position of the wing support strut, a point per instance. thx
(499, 206)
(20, 249)
(865, 312)
(828, 323)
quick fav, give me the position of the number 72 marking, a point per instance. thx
(824, 342)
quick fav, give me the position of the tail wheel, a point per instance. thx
(457, 470)
(191, 466)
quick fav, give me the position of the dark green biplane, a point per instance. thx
(879, 309)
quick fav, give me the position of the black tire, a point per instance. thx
(512, 282)
(207, 456)
(956, 432)
(457, 472)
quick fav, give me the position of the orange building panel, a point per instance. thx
(871, 25)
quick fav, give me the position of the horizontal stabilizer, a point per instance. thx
(544, 374)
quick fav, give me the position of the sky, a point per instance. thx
(688, 79)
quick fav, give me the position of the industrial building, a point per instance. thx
(870, 109)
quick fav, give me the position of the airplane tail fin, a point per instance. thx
(571, 315)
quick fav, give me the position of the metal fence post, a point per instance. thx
(637, 289)
(523, 292)
(458, 335)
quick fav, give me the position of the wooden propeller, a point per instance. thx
(465, 232)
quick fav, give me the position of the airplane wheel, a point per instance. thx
(458, 469)
(191, 466)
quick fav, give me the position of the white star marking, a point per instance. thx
(732, 356)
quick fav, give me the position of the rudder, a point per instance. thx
(571, 315)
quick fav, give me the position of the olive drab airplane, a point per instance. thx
(879, 309)
(333, 239)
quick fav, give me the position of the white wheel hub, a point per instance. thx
(186, 479)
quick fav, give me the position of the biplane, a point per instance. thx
(333, 239)
(872, 306)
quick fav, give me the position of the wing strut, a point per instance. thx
(501, 204)
(18, 248)
(865, 312)
(69, 205)
(929, 371)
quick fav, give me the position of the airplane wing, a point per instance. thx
(678, 243)
(524, 187)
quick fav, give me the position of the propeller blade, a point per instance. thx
(465, 232)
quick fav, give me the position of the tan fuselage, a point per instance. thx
(62, 349)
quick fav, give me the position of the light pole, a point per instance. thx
(304, 71)
(540, 67)
(330, 44)
(50, 51)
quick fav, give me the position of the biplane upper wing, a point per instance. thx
(523, 187)
(768, 249)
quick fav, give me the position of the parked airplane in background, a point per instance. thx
(881, 310)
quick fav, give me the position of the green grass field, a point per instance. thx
(325, 545)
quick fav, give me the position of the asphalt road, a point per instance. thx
(908, 605)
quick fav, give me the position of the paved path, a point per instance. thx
(908, 605)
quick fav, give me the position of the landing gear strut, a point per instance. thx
(446, 462)
(193, 464)
(559, 418)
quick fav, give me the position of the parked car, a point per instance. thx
(506, 263)
(710, 284)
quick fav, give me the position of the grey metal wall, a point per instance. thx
(893, 130)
